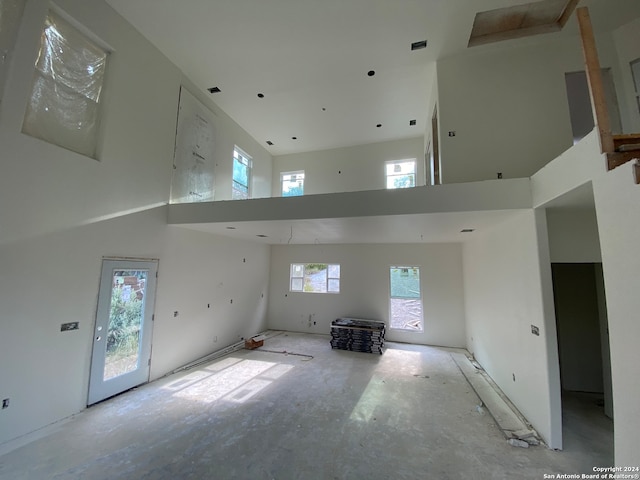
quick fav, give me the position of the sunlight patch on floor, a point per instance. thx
(231, 379)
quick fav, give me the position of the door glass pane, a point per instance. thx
(125, 321)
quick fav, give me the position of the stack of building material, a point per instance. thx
(357, 335)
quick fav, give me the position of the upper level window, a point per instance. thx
(241, 175)
(315, 277)
(400, 173)
(67, 85)
(292, 183)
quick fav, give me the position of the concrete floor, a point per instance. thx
(407, 414)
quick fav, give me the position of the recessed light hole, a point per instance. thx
(378, 125)
(371, 73)
(261, 95)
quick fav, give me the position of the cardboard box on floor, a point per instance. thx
(254, 342)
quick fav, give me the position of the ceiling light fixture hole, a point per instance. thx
(371, 73)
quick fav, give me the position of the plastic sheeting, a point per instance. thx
(67, 85)
(193, 174)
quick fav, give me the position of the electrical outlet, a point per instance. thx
(535, 330)
(5, 403)
(65, 327)
(175, 314)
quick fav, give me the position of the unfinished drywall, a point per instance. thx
(627, 42)
(57, 189)
(219, 289)
(61, 213)
(349, 169)
(617, 199)
(364, 289)
(504, 298)
(507, 106)
(573, 235)
(616, 202)
(46, 281)
(578, 326)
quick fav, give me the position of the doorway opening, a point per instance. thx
(581, 324)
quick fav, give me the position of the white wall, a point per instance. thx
(51, 279)
(60, 213)
(218, 286)
(573, 235)
(348, 169)
(44, 187)
(504, 293)
(617, 200)
(364, 289)
(627, 42)
(508, 106)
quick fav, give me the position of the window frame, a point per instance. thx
(421, 326)
(296, 172)
(35, 122)
(238, 156)
(302, 277)
(413, 174)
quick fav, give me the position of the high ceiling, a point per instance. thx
(311, 58)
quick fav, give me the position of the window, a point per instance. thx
(241, 175)
(292, 183)
(400, 173)
(67, 85)
(315, 278)
(405, 303)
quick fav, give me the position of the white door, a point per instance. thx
(124, 321)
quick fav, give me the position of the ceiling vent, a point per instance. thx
(214, 90)
(419, 45)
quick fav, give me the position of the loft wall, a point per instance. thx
(507, 104)
(348, 169)
(364, 289)
(60, 213)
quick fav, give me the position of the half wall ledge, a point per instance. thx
(505, 194)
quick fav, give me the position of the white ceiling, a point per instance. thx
(310, 55)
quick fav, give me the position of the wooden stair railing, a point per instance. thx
(619, 149)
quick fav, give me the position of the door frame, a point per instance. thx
(100, 389)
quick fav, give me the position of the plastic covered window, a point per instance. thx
(67, 85)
